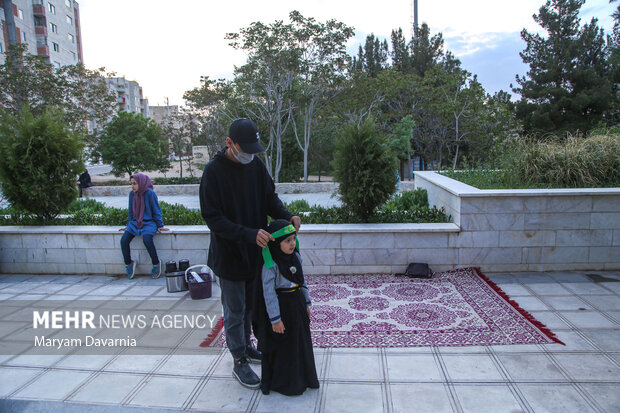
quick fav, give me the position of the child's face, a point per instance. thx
(134, 184)
(288, 244)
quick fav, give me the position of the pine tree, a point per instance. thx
(568, 87)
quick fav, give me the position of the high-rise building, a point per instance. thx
(129, 96)
(50, 28)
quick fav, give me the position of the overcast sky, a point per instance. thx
(166, 46)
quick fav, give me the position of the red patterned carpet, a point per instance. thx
(454, 308)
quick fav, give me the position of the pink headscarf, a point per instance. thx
(144, 183)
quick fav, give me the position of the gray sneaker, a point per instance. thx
(253, 355)
(244, 374)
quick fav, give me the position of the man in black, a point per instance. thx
(236, 196)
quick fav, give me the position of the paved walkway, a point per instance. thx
(583, 376)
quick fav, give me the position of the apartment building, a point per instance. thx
(50, 28)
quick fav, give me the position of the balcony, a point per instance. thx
(40, 30)
(43, 50)
(38, 10)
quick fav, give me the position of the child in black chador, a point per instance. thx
(288, 360)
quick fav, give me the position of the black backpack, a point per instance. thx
(418, 270)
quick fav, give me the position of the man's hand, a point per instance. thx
(160, 229)
(263, 237)
(309, 312)
(296, 221)
(278, 327)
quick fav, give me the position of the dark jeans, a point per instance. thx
(148, 243)
(237, 302)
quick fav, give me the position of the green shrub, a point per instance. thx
(41, 159)
(365, 168)
(574, 162)
(188, 180)
(298, 205)
(407, 201)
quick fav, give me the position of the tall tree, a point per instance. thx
(131, 143)
(426, 51)
(322, 62)
(80, 94)
(373, 58)
(266, 80)
(567, 87)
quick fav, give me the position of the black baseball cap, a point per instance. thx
(244, 132)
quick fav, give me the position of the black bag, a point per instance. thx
(418, 270)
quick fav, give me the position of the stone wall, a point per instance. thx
(530, 230)
(326, 249)
(496, 230)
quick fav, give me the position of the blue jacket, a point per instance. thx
(152, 218)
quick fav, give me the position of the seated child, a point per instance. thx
(288, 360)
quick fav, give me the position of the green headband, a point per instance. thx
(287, 230)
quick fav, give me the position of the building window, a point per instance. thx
(68, 3)
(74, 56)
(51, 8)
(20, 14)
(53, 28)
(55, 47)
(69, 20)
(71, 37)
(24, 37)
(1, 48)
(57, 64)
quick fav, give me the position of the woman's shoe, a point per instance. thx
(156, 270)
(130, 270)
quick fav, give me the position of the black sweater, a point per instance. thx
(235, 200)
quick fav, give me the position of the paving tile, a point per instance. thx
(421, 398)
(355, 367)
(471, 368)
(108, 388)
(138, 363)
(553, 398)
(606, 395)
(84, 361)
(613, 286)
(608, 340)
(188, 365)
(53, 385)
(548, 288)
(482, 398)
(223, 396)
(13, 378)
(531, 304)
(276, 402)
(514, 290)
(566, 303)
(353, 398)
(165, 392)
(35, 360)
(573, 342)
(589, 319)
(530, 367)
(549, 319)
(587, 288)
(516, 348)
(582, 367)
(417, 367)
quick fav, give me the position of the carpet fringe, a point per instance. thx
(217, 330)
(543, 328)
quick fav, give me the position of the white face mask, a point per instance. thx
(242, 157)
